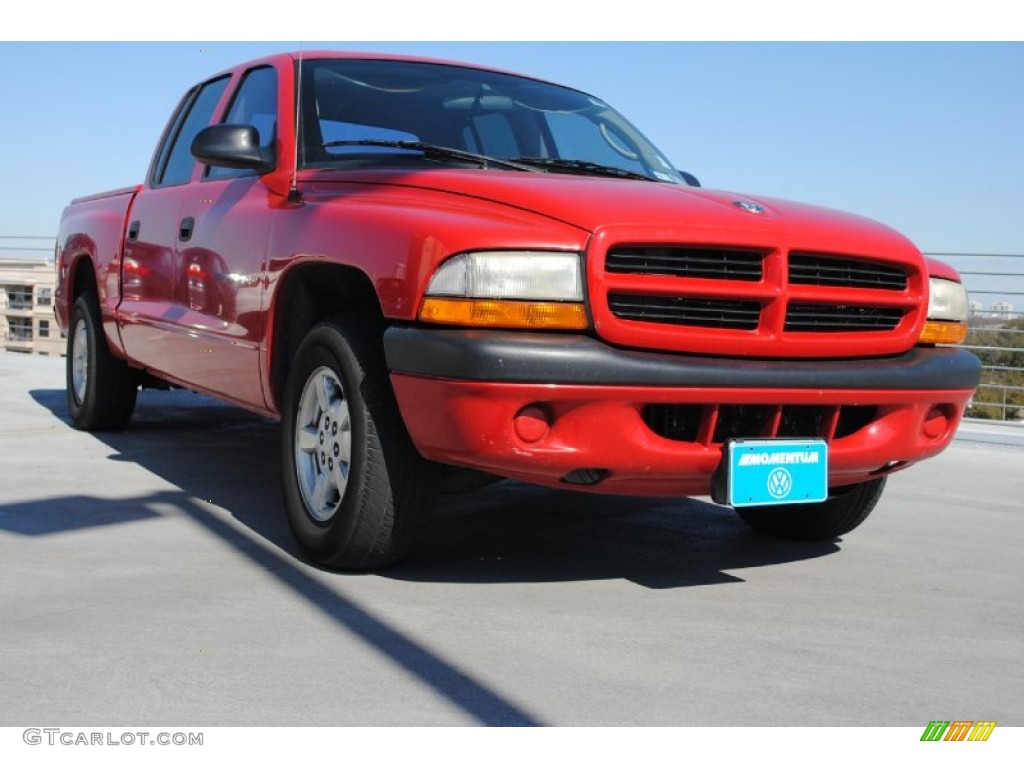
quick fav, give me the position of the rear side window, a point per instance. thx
(177, 161)
(255, 103)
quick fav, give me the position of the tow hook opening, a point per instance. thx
(585, 476)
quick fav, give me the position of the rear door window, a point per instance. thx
(177, 164)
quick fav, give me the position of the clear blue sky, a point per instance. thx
(927, 137)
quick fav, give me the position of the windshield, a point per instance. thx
(348, 101)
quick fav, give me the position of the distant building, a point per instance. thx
(27, 322)
(1002, 310)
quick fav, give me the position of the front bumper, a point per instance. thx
(561, 409)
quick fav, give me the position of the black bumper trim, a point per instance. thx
(535, 358)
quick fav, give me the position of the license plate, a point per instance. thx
(765, 472)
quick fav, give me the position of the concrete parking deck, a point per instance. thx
(149, 577)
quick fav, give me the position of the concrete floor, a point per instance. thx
(149, 577)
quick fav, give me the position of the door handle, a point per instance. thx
(185, 228)
(133, 231)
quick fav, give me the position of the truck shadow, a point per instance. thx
(512, 532)
(508, 532)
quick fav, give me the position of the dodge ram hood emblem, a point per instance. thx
(749, 206)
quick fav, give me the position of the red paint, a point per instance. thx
(473, 424)
(941, 269)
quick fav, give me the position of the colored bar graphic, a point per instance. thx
(982, 730)
(958, 730)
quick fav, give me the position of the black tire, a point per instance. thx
(840, 513)
(367, 512)
(101, 389)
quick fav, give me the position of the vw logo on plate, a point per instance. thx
(780, 483)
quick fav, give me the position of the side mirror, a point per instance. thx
(233, 146)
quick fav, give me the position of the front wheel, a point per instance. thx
(356, 491)
(101, 389)
(840, 513)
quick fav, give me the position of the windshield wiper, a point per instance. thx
(561, 164)
(434, 151)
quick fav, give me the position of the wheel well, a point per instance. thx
(310, 294)
(83, 278)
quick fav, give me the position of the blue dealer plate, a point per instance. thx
(765, 472)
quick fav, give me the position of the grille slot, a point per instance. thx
(687, 422)
(826, 318)
(675, 261)
(804, 421)
(853, 418)
(742, 421)
(811, 269)
(680, 310)
(674, 422)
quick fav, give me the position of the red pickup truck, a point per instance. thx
(435, 273)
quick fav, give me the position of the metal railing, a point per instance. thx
(997, 331)
(27, 244)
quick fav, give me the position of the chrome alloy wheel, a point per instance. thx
(323, 444)
(80, 362)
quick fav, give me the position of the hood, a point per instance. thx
(598, 203)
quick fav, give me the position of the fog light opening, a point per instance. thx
(532, 423)
(939, 421)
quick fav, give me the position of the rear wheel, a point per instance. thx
(356, 491)
(101, 389)
(840, 513)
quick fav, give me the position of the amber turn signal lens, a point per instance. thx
(490, 313)
(938, 332)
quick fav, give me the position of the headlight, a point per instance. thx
(948, 301)
(522, 275)
(508, 289)
(947, 313)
